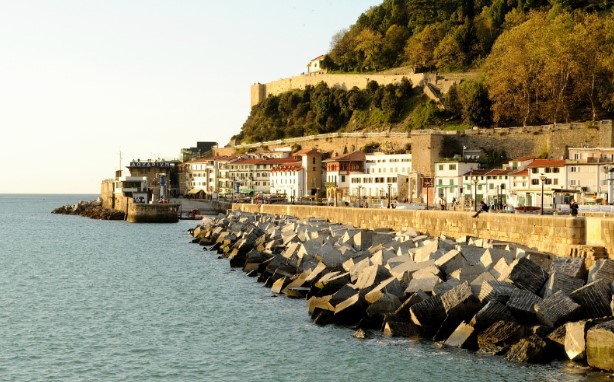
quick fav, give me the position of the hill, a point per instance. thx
(537, 62)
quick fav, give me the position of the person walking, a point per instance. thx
(573, 206)
(483, 208)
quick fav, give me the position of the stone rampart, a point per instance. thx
(555, 234)
(552, 140)
(342, 81)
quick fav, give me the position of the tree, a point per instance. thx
(368, 45)
(476, 106)
(420, 47)
(512, 69)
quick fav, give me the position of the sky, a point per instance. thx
(82, 81)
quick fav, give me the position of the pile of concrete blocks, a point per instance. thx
(471, 293)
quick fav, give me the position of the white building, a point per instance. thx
(202, 176)
(384, 173)
(590, 172)
(448, 180)
(288, 180)
(314, 66)
(548, 175)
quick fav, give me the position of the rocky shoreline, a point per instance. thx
(490, 297)
(92, 209)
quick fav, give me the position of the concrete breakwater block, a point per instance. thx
(572, 266)
(532, 349)
(428, 315)
(522, 305)
(393, 328)
(462, 337)
(557, 309)
(594, 298)
(485, 297)
(602, 269)
(575, 337)
(528, 275)
(559, 281)
(495, 290)
(402, 313)
(498, 337)
(600, 346)
(490, 313)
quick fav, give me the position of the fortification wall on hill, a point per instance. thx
(342, 81)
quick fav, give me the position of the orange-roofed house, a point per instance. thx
(300, 176)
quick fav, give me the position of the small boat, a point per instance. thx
(193, 214)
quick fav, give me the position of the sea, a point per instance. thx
(92, 300)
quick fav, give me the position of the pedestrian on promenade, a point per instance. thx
(573, 206)
(483, 208)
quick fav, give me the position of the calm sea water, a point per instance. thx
(89, 300)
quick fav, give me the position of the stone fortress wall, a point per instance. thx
(425, 145)
(259, 91)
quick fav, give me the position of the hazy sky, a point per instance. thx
(82, 80)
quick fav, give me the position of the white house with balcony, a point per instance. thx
(590, 172)
(547, 178)
(384, 174)
(449, 179)
(202, 176)
(288, 180)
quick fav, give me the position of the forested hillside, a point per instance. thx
(538, 61)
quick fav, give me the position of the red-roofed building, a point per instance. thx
(299, 178)
(294, 176)
(338, 170)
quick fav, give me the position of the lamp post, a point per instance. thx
(389, 185)
(475, 193)
(498, 198)
(542, 177)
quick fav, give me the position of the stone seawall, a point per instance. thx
(562, 236)
(153, 213)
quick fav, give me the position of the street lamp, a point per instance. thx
(389, 185)
(542, 177)
(498, 198)
(475, 193)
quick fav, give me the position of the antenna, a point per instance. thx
(120, 158)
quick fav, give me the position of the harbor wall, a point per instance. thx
(562, 236)
(138, 212)
(152, 213)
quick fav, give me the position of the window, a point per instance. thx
(535, 182)
(440, 167)
(534, 170)
(342, 178)
(555, 170)
(453, 167)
